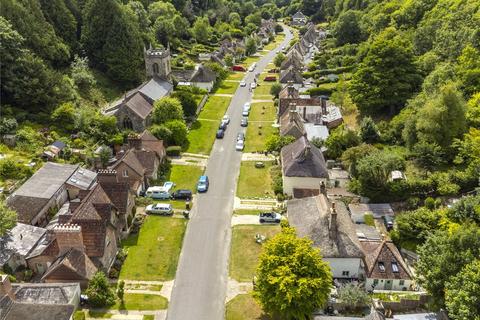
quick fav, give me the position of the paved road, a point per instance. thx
(201, 280)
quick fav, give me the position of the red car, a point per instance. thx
(238, 68)
(270, 78)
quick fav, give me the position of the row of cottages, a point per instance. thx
(133, 111)
(369, 257)
(266, 31)
(233, 47)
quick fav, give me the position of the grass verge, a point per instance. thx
(140, 301)
(257, 134)
(201, 136)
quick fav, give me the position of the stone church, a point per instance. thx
(133, 110)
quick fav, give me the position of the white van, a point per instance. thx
(158, 193)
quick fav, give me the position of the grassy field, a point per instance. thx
(263, 111)
(244, 307)
(262, 90)
(245, 251)
(255, 141)
(185, 177)
(236, 76)
(140, 301)
(202, 136)
(254, 182)
(249, 60)
(246, 212)
(227, 87)
(215, 107)
(153, 253)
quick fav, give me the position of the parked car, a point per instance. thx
(182, 194)
(220, 134)
(253, 85)
(158, 193)
(388, 222)
(239, 145)
(240, 136)
(245, 112)
(270, 78)
(269, 217)
(168, 185)
(226, 119)
(243, 84)
(223, 125)
(252, 67)
(247, 106)
(203, 184)
(244, 122)
(238, 68)
(164, 209)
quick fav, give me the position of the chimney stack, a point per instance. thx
(307, 152)
(106, 176)
(69, 236)
(6, 287)
(305, 113)
(134, 141)
(333, 222)
(323, 101)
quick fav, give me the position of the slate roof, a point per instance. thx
(299, 15)
(75, 262)
(302, 159)
(20, 240)
(147, 160)
(291, 124)
(311, 218)
(34, 311)
(183, 75)
(118, 193)
(291, 74)
(82, 179)
(156, 88)
(386, 253)
(95, 206)
(130, 160)
(139, 104)
(285, 92)
(204, 74)
(150, 142)
(45, 293)
(284, 104)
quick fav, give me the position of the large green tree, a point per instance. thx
(167, 109)
(99, 291)
(348, 29)
(62, 19)
(292, 279)
(444, 255)
(8, 218)
(387, 76)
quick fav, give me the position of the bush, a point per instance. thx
(174, 151)
(99, 292)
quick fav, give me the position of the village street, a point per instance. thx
(201, 280)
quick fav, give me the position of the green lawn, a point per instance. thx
(202, 136)
(236, 76)
(254, 182)
(149, 317)
(153, 253)
(227, 87)
(369, 219)
(249, 60)
(140, 301)
(244, 307)
(263, 89)
(185, 177)
(263, 111)
(245, 251)
(255, 141)
(246, 212)
(215, 108)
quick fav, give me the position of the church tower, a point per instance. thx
(158, 63)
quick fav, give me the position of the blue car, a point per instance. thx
(202, 184)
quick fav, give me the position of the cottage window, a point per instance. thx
(345, 273)
(395, 267)
(125, 173)
(381, 266)
(401, 282)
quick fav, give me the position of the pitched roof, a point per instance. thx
(156, 88)
(20, 240)
(73, 261)
(118, 193)
(96, 205)
(381, 259)
(298, 15)
(302, 159)
(291, 74)
(45, 293)
(131, 161)
(285, 103)
(311, 218)
(147, 160)
(36, 311)
(204, 74)
(289, 91)
(82, 179)
(291, 124)
(150, 142)
(183, 75)
(139, 104)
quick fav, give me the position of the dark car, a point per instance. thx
(223, 125)
(182, 194)
(220, 133)
(388, 221)
(244, 122)
(241, 136)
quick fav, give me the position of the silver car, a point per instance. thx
(239, 145)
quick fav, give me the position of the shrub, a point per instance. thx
(174, 151)
(99, 292)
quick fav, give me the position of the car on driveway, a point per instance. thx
(239, 145)
(220, 134)
(243, 84)
(244, 122)
(164, 209)
(182, 194)
(226, 119)
(168, 185)
(269, 217)
(240, 136)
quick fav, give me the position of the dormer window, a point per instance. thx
(395, 267)
(381, 266)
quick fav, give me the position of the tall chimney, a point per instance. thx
(105, 176)
(69, 236)
(307, 151)
(6, 287)
(305, 113)
(333, 222)
(323, 101)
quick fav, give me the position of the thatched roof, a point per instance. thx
(302, 159)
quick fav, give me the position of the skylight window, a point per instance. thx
(395, 267)
(381, 266)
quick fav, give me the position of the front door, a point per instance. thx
(388, 285)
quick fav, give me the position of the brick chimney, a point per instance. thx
(69, 236)
(333, 222)
(134, 141)
(6, 287)
(107, 176)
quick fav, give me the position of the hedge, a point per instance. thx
(174, 151)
